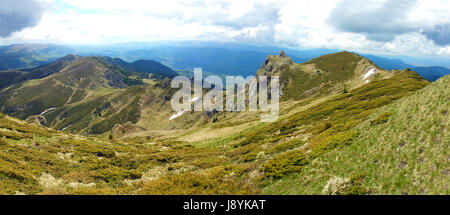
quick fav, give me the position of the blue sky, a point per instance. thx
(391, 27)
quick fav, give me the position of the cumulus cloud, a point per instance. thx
(243, 20)
(378, 20)
(372, 26)
(440, 34)
(258, 14)
(17, 15)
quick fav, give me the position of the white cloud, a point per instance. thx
(18, 15)
(376, 26)
(339, 24)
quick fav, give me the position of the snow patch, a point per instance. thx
(181, 112)
(176, 115)
(66, 127)
(367, 81)
(45, 111)
(369, 73)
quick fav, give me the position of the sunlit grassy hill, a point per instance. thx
(328, 74)
(402, 148)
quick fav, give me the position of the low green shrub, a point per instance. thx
(381, 119)
(285, 163)
(284, 146)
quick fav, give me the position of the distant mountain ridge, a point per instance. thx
(22, 56)
(215, 58)
(75, 93)
(141, 67)
(144, 66)
(388, 63)
(432, 73)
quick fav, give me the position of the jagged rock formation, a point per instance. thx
(273, 64)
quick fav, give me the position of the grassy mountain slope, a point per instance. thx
(82, 95)
(94, 94)
(8, 77)
(140, 68)
(70, 84)
(402, 148)
(322, 127)
(277, 150)
(38, 160)
(320, 76)
(43, 71)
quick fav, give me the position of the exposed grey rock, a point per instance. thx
(114, 79)
(273, 64)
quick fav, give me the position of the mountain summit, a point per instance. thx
(327, 74)
(273, 64)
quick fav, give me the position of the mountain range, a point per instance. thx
(214, 58)
(102, 125)
(67, 90)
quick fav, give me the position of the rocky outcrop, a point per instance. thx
(114, 79)
(274, 63)
(37, 119)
